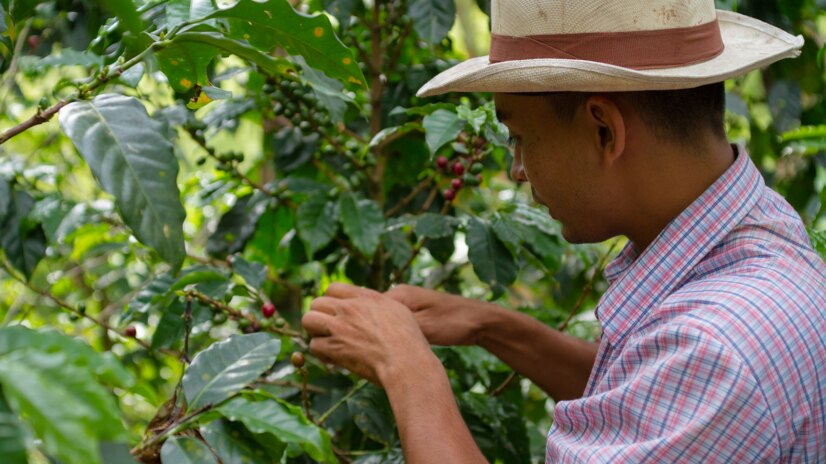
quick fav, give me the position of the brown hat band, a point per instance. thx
(635, 49)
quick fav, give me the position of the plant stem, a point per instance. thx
(235, 314)
(361, 384)
(43, 116)
(588, 287)
(82, 314)
(305, 396)
(564, 325)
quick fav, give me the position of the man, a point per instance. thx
(714, 331)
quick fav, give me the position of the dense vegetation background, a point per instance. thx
(179, 178)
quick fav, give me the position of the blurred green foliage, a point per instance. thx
(206, 161)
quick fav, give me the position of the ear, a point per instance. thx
(605, 119)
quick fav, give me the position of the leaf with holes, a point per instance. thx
(226, 367)
(273, 23)
(133, 161)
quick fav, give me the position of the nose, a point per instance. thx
(517, 171)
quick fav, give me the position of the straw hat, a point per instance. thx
(614, 45)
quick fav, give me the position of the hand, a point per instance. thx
(444, 319)
(366, 332)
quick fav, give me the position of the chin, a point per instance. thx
(577, 237)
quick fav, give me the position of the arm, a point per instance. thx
(558, 363)
(378, 338)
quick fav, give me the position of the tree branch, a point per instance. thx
(43, 116)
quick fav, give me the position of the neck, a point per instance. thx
(673, 179)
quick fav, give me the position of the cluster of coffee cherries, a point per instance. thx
(298, 103)
(465, 171)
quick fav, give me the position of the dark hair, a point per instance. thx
(682, 116)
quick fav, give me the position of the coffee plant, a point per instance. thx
(180, 178)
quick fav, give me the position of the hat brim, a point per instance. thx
(749, 44)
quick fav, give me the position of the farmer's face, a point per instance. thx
(559, 160)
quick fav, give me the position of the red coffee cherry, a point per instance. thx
(456, 184)
(458, 168)
(441, 162)
(449, 194)
(131, 331)
(268, 309)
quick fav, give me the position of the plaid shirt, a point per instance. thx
(714, 341)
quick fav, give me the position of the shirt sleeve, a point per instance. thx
(674, 395)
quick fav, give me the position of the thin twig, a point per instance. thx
(305, 396)
(564, 325)
(43, 116)
(361, 384)
(588, 287)
(237, 315)
(188, 328)
(409, 198)
(82, 314)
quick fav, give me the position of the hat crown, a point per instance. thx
(543, 17)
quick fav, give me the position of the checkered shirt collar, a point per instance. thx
(641, 281)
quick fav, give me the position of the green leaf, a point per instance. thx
(396, 131)
(805, 133)
(433, 225)
(196, 277)
(818, 239)
(292, 148)
(441, 127)
(68, 57)
(134, 162)
(497, 426)
(285, 422)
(371, 411)
(237, 225)
(491, 260)
(126, 13)
(232, 445)
(12, 434)
(363, 222)
(476, 117)
(22, 239)
(5, 199)
(317, 221)
(328, 91)
(105, 366)
(253, 273)
(226, 367)
(432, 19)
(342, 10)
(184, 61)
(185, 450)
(397, 245)
(171, 326)
(179, 11)
(63, 403)
(273, 23)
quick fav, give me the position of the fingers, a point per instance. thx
(339, 290)
(326, 304)
(317, 323)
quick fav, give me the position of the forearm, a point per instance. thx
(430, 425)
(556, 362)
